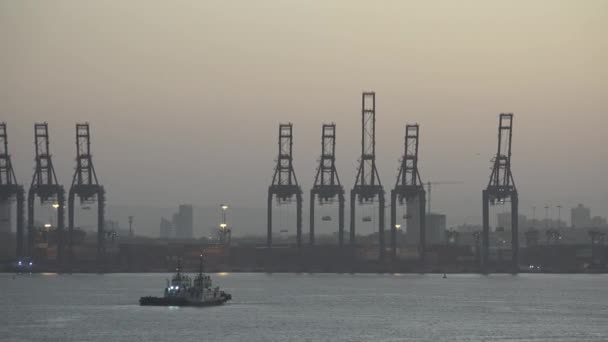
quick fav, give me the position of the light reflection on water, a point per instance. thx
(310, 307)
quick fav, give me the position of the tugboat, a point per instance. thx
(182, 291)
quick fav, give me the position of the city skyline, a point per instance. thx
(165, 97)
(308, 170)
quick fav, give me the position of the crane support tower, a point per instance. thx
(45, 186)
(408, 188)
(9, 188)
(327, 183)
(367, 184)
(501, 188)
(284, 182)
(86, 186)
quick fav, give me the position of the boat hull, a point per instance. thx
(163, 301)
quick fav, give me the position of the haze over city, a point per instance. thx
(184, 97)
(304, 170)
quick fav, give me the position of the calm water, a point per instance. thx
(305, 307)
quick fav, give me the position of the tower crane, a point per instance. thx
(428, 190)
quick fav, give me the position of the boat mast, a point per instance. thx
(200, 270)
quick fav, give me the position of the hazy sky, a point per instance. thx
(184, 97)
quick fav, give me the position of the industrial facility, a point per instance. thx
(418, 239)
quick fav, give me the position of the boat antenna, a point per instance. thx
(200, 270)
(201, 264)
(179, 267)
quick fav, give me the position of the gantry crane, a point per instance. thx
(284, 182)
(367, 183)
(408, 189)
(86, 186)
(10, 189)
(501, 188)
(45, 185)
(327, 183)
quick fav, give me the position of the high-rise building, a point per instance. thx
(580, 217)
(412, 219)
(435, 228)
(167, 230)
(184, 228)
(469, 228)
(5, 217)
(174, 221)
(599, 222)
(503, 221)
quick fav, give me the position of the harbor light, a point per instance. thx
(223, 224)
